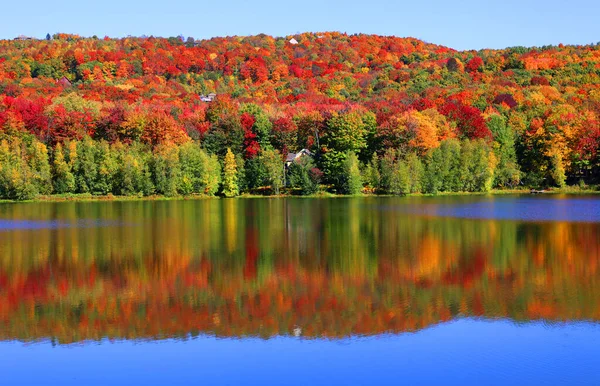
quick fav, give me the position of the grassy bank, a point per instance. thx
(575, 190)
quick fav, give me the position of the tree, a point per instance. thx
(371, 173)
(415, 173)
(38, 162)
(507, 172)
(303, 175)
(16, 177)
(107, 168)
(274, 166)
(230, 183)
(352, 181)
(167, 174)
(557, 170)
(63, 179)
(346, 132)
(85, 168)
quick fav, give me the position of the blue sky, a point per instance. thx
(468, 24)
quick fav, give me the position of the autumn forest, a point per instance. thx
(144, 116)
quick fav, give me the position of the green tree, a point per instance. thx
(415, 172)
(352, 183)
(63, 179)
(274, 166)
(38, 162)
(167, 173)
(107, 168)
(507, 171)
(371, 173)
(557, 171)
(16, 177)
(241, 173)
(346, 132)
(230, 183)
(262, 125)
(302, 175)
(85, 168)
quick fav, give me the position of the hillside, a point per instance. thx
(524, 115)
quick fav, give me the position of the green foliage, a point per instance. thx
(507, 173)
(230, 183)
(167, 174)
(274, 167)
(466, 166)
(256, 173)
(416, 173)
(301, 175)
(85, 168)
(371, 173)
(62, 177)
(262, 126)
(347, 132)
(557, 171)
(134, 175)
(352, 181)
(241, 173)
(16, 176)
(107, 168)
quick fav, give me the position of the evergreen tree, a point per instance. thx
(230, 183)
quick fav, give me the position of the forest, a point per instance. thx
(145, 116)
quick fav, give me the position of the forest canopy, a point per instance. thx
(145, 115)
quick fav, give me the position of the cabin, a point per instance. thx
(293, 41)
(208, 98)
(295, 157)
(23, 37)
(64, 82)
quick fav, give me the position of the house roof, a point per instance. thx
(291, 157)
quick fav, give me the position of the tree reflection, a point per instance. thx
(264, 267)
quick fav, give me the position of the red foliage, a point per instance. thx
(474, 64)
(540, 81)
(507, 99)
(469, 120)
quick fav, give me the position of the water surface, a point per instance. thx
(457, 290)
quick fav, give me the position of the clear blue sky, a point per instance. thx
(469, 24)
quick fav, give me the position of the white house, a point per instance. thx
(295, 157)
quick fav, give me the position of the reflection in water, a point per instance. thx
(265, 267)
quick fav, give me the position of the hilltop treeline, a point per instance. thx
(364, 105)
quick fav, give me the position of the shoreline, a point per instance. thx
(86, 197)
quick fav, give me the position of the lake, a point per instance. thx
(296, 291)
